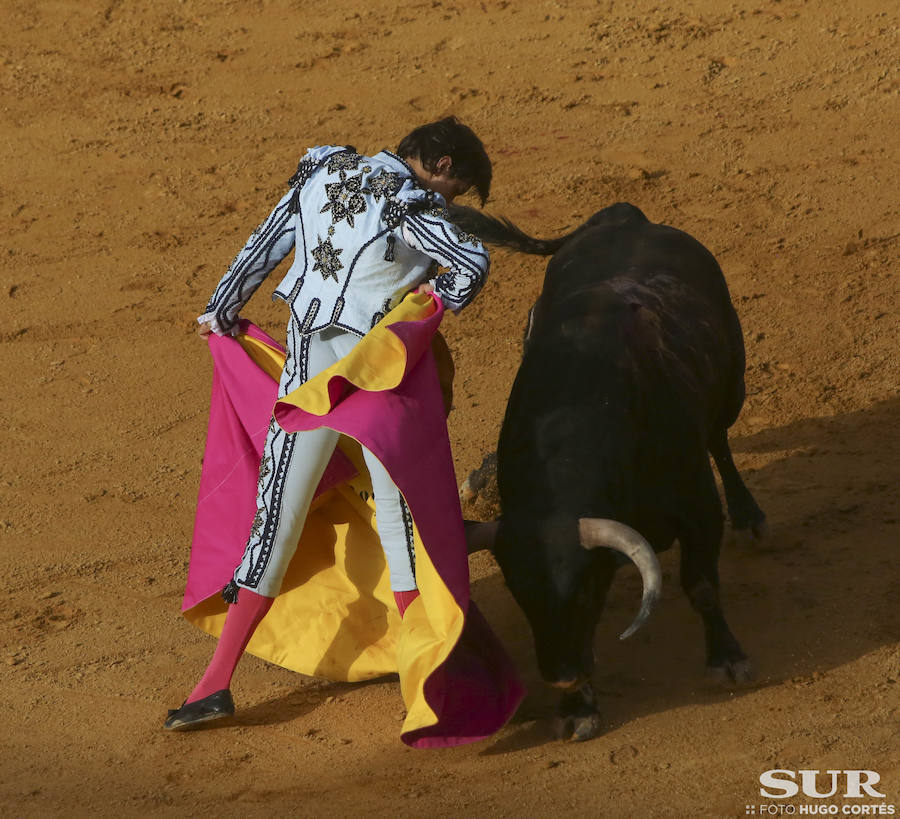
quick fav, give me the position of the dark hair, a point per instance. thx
(449, 137)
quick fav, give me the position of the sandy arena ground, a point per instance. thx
(142, 142)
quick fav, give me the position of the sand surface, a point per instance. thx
(142, 142)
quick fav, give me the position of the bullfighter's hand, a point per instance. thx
(205, 330)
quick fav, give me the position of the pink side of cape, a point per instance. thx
(476, 690)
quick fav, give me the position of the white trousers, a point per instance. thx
(291, 467)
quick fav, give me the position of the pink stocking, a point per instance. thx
(241, 621)
(404, 598)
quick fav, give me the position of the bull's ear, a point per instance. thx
(480, 535)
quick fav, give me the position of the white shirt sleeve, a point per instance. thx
(268, 245)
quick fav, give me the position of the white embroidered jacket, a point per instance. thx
(365, 233)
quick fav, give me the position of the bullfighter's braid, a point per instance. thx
(501, 232)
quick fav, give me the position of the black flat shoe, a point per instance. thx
(193, 714)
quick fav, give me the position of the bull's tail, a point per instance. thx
(503, 233)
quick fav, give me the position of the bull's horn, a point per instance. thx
(597, 533)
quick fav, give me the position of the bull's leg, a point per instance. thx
(577, 715)
(700, 540)
(742, 508)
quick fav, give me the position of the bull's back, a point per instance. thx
(620, 241)
(674, 288)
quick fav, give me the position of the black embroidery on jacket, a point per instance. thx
(338, 309)
(465, 238)
(295, 290)
(346, 160)
(328, 259)
(304, 170)
(385, 309)
(307, 167)
(394, 213)
(385, 184)
(346, 198)
(438, 211)
(310, 316)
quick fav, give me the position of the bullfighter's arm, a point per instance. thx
(268, 245)
(466, 260)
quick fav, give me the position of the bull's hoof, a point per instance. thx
(586, 728)
(752, 526)
(736, 672)
(578, 729)
(753, 537)
(577, 717)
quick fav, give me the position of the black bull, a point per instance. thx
(633, 370)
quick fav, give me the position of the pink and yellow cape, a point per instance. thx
(335, 616)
